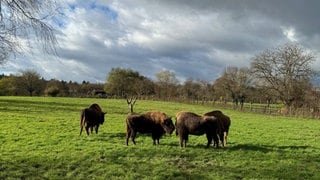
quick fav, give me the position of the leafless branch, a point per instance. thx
(21, 21)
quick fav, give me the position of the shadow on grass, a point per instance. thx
(264, 148)
(115, 135)
(102, 136)
(190, 145)
(144, 139)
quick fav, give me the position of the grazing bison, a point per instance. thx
(155, 122)
(224, 123)
(191, 123)
(91, 118)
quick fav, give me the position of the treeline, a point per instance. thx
(235, 85)
(124, 83)
(279, 75)
(30, 83)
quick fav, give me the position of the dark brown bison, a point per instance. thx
(191, 123)
(155, 122)
(91, 118)
(224, 123)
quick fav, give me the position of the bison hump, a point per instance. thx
(95, 107)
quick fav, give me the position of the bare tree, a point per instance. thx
(21, 21)
(196, 90)
(234, 83)
(131, 102)
(189, 90)
(286, 70)
(166, 85)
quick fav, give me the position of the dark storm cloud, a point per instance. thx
(193, 39)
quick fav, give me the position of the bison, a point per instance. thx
(224, 123)
(91, 118)
(155, 122)
(191, 123)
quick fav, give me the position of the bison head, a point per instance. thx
(167, 125)
(102, 117)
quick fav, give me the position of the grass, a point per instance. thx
(39, 139)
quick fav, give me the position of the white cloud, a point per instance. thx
(290, 33)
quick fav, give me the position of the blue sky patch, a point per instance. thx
(105, 9)
(72, 6)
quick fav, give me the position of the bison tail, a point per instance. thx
(82, 118)
(82, 121)
(175, 124)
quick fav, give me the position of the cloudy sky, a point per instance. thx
(191, 38)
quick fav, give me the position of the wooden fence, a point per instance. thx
(273, 109)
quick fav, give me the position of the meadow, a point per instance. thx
(39, 139)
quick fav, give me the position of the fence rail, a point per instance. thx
(273, 109)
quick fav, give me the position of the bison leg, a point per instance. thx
(87, 129)
(127, 141)
(216, 140)
(209, 138)
(223, 139)
(81, 121)
(155, 139)
(96, 128)
(91, 129)
(128, 135)
(183, 139)
(186, 138)
(81, 128)
(185, 143)
(181, 142)
(216, 143)
(133, 136)
(225, 135)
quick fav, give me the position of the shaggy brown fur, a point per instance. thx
(91, 118)
(95, 107)
(224, 123)
(191, 123)
(155, 122)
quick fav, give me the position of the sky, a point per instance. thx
(194, 39)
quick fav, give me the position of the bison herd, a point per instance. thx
(214, 124)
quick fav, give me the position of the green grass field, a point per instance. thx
(39, 139)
